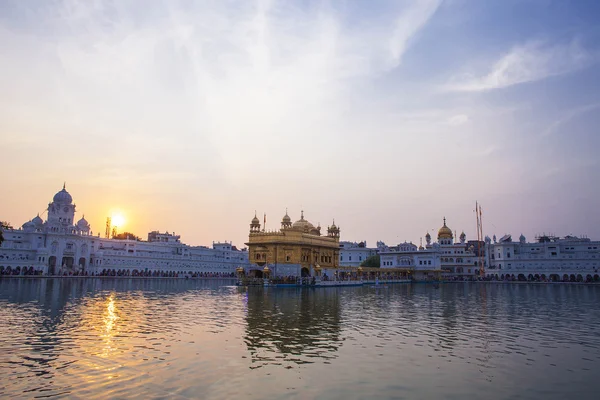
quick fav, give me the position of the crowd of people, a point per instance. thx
(20, 271)
(30, 271)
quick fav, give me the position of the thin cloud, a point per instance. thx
(571, 114)
(457, 120)
(407, 25)
(526, 63)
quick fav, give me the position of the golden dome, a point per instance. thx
(302, 224)
(445, 232)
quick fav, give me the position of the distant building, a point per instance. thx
(157, 237)
(442, 259)
(352, 254)
(458, 260)
(423, 264)
(549, 258)
(59, 246)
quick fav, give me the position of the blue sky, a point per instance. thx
(386, 115)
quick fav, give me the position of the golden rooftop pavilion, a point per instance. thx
(297, 249)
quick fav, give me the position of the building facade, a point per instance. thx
(443, 259)
(458, 260)
(550, 258)
(352, 254)
(423, 264)
(295, 250)
(59, 246)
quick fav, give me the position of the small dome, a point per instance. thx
(522, 238)
(255, 220)
(38, 221)
(82, 223)
(445, 232)
(28, 225)
(428, 235)
(286, 218)
(63, 196)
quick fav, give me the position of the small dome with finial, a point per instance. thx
(445, 232)
(38, 221)
(63, 196)
(82, 224)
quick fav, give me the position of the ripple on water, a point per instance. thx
(194, 339)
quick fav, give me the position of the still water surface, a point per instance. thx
(92, 338)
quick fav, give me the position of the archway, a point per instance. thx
(565, 278)
(596, 278)
(68, 262)
(572, 278)
(257, 273)
(52, 265)
(502, 276)
(543, 277)
(554, 277)
(521, 277)
(530, 277)
(82, 262)
(588, 278)
(304, 272)
(579, 278)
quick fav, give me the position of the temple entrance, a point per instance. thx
(82, 262)
(304, 272)
(257, 273)
(68, 262)
(52, 265)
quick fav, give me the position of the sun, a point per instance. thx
(118, 220)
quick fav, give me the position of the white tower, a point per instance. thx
(61, 213)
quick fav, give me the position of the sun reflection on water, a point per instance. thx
(110, 319)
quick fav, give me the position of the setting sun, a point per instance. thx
(118, 220)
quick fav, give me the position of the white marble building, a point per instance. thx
(352, 254)
(424, 264)
(570, 258)
(60, 246)
(458, 260)
(446, 258)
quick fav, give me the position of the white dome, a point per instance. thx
(28, 225)
(82, 223)
(38, 221)
(63, 197)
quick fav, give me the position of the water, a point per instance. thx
(81, 338)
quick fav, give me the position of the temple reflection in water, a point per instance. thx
(294, 324)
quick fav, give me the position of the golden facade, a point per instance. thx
(295, 249)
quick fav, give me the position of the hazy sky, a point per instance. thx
(385, 115)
